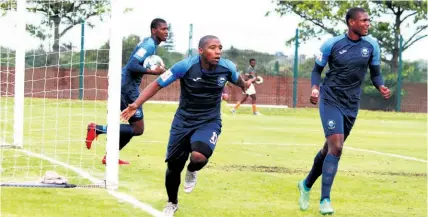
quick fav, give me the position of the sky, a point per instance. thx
(238, 23)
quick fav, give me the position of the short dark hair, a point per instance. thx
(352, 13)
(203, 41)
(156, 22)
(252, 59)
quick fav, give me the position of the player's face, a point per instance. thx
(161, 31)
(361, 24)
(212, 51)
(253, 63)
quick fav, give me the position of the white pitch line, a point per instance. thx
(388, 154)
(121, 196)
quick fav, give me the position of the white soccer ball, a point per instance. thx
(153, 61)
(259, 80)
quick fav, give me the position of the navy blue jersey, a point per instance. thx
(348, 62)
(133, 71)
(201, 90)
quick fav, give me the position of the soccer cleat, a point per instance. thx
(304, 196)
(325, 207)
(257, 113)
(233, 111)
(91, 135)
(170, 209)
(121, 162)
(190, 181)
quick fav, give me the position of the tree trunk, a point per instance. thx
(54, 57)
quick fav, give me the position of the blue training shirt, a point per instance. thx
(133, 71)
(201, 90)
(348, 63)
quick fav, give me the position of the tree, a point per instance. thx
(320, 17)
(65, 13)
(169, 43)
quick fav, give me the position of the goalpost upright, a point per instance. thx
(113, 104)
(18, 125)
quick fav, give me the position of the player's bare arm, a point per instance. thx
(145, 95)
(244, 85)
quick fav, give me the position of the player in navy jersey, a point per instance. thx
(197, 121)
(349, 56)
(132, 74)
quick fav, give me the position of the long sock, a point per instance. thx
(173, 179)
(101, 129)
(316, 170)
(254, 108)
(126, 134)
(237, 105)
(329, 170)
(172, 182)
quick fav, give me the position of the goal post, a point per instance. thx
(114, 80)
(18, 125)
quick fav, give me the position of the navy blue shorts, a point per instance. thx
(334, 120)
(127, 99)
(180, 139)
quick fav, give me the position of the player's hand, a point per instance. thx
(386, 93)
(159, 70)
(128, 112)
(314, 96)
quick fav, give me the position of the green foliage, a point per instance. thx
(265, 61)
(169, 43)
(320, 17)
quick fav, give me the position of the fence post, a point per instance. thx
(399, 81)
(82, 59)
(278, 87)
(295, 68)
(190, 40)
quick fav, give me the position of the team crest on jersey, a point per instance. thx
(365, 52)
(331, 124)
(221, 81)
(138, 113)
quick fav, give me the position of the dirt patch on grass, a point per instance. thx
(286, 170)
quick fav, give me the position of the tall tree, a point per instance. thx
(389, 20)
(169, 43)
(62, 16)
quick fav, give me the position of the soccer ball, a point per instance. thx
(152, 62)
(259, 80)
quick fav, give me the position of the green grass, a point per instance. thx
(253, 172)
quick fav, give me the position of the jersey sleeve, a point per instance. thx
(234, 74)
(177, 71)
(324, 52)
(375, 58)
(145, 49)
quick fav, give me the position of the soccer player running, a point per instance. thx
(132, 74)
(252, 74)
(197, 121)
(349, 55)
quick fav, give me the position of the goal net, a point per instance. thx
(51, 87)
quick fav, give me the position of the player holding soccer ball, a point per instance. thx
(132, 74)
(349, 55)
(252, 74)
(197, 123)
